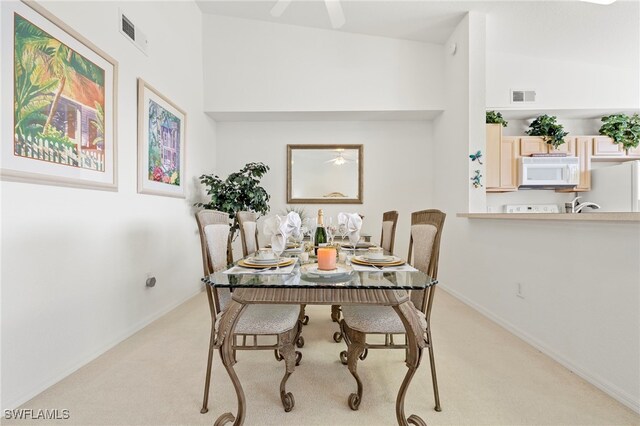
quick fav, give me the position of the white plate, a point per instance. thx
(386, 259)
(383, 259)
(293, 250)
(313, 270)
(256, 261)
(358, 245)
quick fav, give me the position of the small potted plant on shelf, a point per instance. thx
(239, 192)
(495, 118)
(622, 129)
(549, 129)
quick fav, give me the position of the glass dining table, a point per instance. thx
(301, 287)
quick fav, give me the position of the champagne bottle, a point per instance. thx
(321, 232)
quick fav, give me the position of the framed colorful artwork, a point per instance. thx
(161, 143)
(58, 108)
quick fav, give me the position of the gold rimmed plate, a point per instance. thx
(383, 259)
(246, 263)
(361, 261)
(358, 245)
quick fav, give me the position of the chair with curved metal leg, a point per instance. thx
(281, 322)
(248, 223)
(387, 242)
(359, 321)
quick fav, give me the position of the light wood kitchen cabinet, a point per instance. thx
(492, 161)
(603, 146)
(501, 160)
(530, 145)
(634, 152)
(509, 164)
(568, 147)
(582, 146)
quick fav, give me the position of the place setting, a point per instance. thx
(268, 260)
(326, 269)
(375, 259)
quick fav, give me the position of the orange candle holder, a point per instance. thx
(326, 258)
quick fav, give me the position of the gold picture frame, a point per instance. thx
(307, 165)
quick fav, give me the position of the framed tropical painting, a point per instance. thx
(58, 108)
(161, 144)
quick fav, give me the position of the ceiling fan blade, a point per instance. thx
(336, 16)
(279, 8)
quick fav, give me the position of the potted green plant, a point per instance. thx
(549, 129)
(622, 129)
(494, 117)
(240, 191)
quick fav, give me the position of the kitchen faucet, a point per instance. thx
(577, 207)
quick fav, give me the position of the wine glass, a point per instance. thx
(343, 230)
(331, 230)
(278, 243)
(354, 237)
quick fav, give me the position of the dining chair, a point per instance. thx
(359, 321)
(248, 223)
(387, 242)
(388, 234)
(282, 322)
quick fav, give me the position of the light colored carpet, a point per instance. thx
(487, 377)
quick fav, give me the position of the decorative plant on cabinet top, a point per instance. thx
(548, 128)
(239, 192)
(622, 129)
(495, 118)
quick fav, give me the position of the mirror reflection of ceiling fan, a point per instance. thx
(340, 159)
(334, 9)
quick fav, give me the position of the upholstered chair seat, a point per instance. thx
(280, 321)
(358, 320)
(376, 319)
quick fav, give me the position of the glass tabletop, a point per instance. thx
(304, 277)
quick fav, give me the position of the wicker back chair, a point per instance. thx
(427, 226)
(360, 321)
(248, 222)
(284, 322)
(388, 234)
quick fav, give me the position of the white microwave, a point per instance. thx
(548, 172)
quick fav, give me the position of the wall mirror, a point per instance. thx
(324, 174)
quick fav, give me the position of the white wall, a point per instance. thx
(262, 66)
(575, 55)
(398, 158)
(74, 261)
(580, 280)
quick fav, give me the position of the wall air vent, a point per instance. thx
(523, 96)
(133, 34)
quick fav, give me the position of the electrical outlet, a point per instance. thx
(519, 290)
(151, 280)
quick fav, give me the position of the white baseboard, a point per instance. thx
(48, 382)
(602, 384)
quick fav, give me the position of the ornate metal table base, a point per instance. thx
(399, 299)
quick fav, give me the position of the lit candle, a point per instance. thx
(326, 258)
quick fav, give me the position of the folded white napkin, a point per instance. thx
(279, 229)
(353, 222)
(272, 228)
(292, 225)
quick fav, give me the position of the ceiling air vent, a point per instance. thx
(523, 96)
(133, 34)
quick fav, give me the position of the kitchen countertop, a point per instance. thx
(611, 217)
